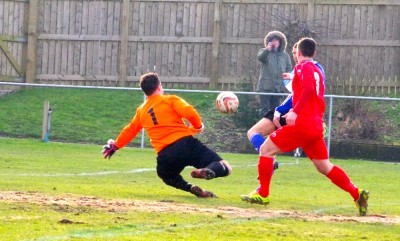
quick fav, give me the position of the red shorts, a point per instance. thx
(311, 140)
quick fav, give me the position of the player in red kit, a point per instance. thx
(304, 129)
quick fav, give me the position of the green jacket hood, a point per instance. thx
(278, 35)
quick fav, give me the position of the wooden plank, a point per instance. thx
(338, 15)
(152, 56)
(8, 6)
(147, 16)
(146, 56)
(251, 41)
(82, 59)
(76, 77)
(206, 24)
(215, 44)
(2, 21)
(116, 31)
(164, 62)
(376, 32)
(344, 22)
(370, 21)
(357, 22)
(109, 32)
(131, 61)
(158, 56)
(260, 21)
(71, 29)
(6, 49)
(140, 54)
(197, 20)
(77, 45)
(7, 45)
(185, 19)
(173, 20)
(248, 20)
(389, 30)
(177, 62)
(227, 20)
(396, 23)
(167, 21)
(333, 2)
(123, 61)
(235, 15)
(196, 59)
(180, 66)
(179, 21)
(64, 60)
(44, 45)
(202, 59)
(154, 20)
(160, 19)
(141, 24)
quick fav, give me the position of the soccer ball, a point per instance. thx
(227, 102)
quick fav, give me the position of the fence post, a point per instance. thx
(123, 55)
(32, 41)
(45, 123)
(215, 45)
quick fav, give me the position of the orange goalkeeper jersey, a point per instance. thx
(162, 116)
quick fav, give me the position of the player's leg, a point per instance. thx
(266, 165)
(174, 179)
(258, 132)
(281, 140)
(318, 154)
(263, 128)
(265, 171)
(208, 163)
(171, 162)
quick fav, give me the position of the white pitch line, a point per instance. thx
(80, 174)
(104, 173)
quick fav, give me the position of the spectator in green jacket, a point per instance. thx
(274, 61)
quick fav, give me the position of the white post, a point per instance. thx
(45, 122)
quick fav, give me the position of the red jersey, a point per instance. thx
(309, 105)
(162, 116)
(308, 94)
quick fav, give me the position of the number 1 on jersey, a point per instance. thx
(153, 116)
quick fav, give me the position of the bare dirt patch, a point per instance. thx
(123, 205)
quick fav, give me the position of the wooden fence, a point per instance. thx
(196, 43)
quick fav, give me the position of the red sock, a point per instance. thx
(265, 170)
(340, 179)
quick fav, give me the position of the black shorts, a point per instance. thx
(187, 151)
(270, 116)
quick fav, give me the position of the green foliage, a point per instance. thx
(367, 120)
(248, 113)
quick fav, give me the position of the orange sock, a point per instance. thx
(265, 170)
(340, 179)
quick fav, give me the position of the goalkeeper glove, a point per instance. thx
(109, 149)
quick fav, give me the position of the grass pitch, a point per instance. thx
(58, 191)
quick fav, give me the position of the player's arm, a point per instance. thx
(282, 110)
(129, 132)
(284, 107)
(126, 135)
(188, 112)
